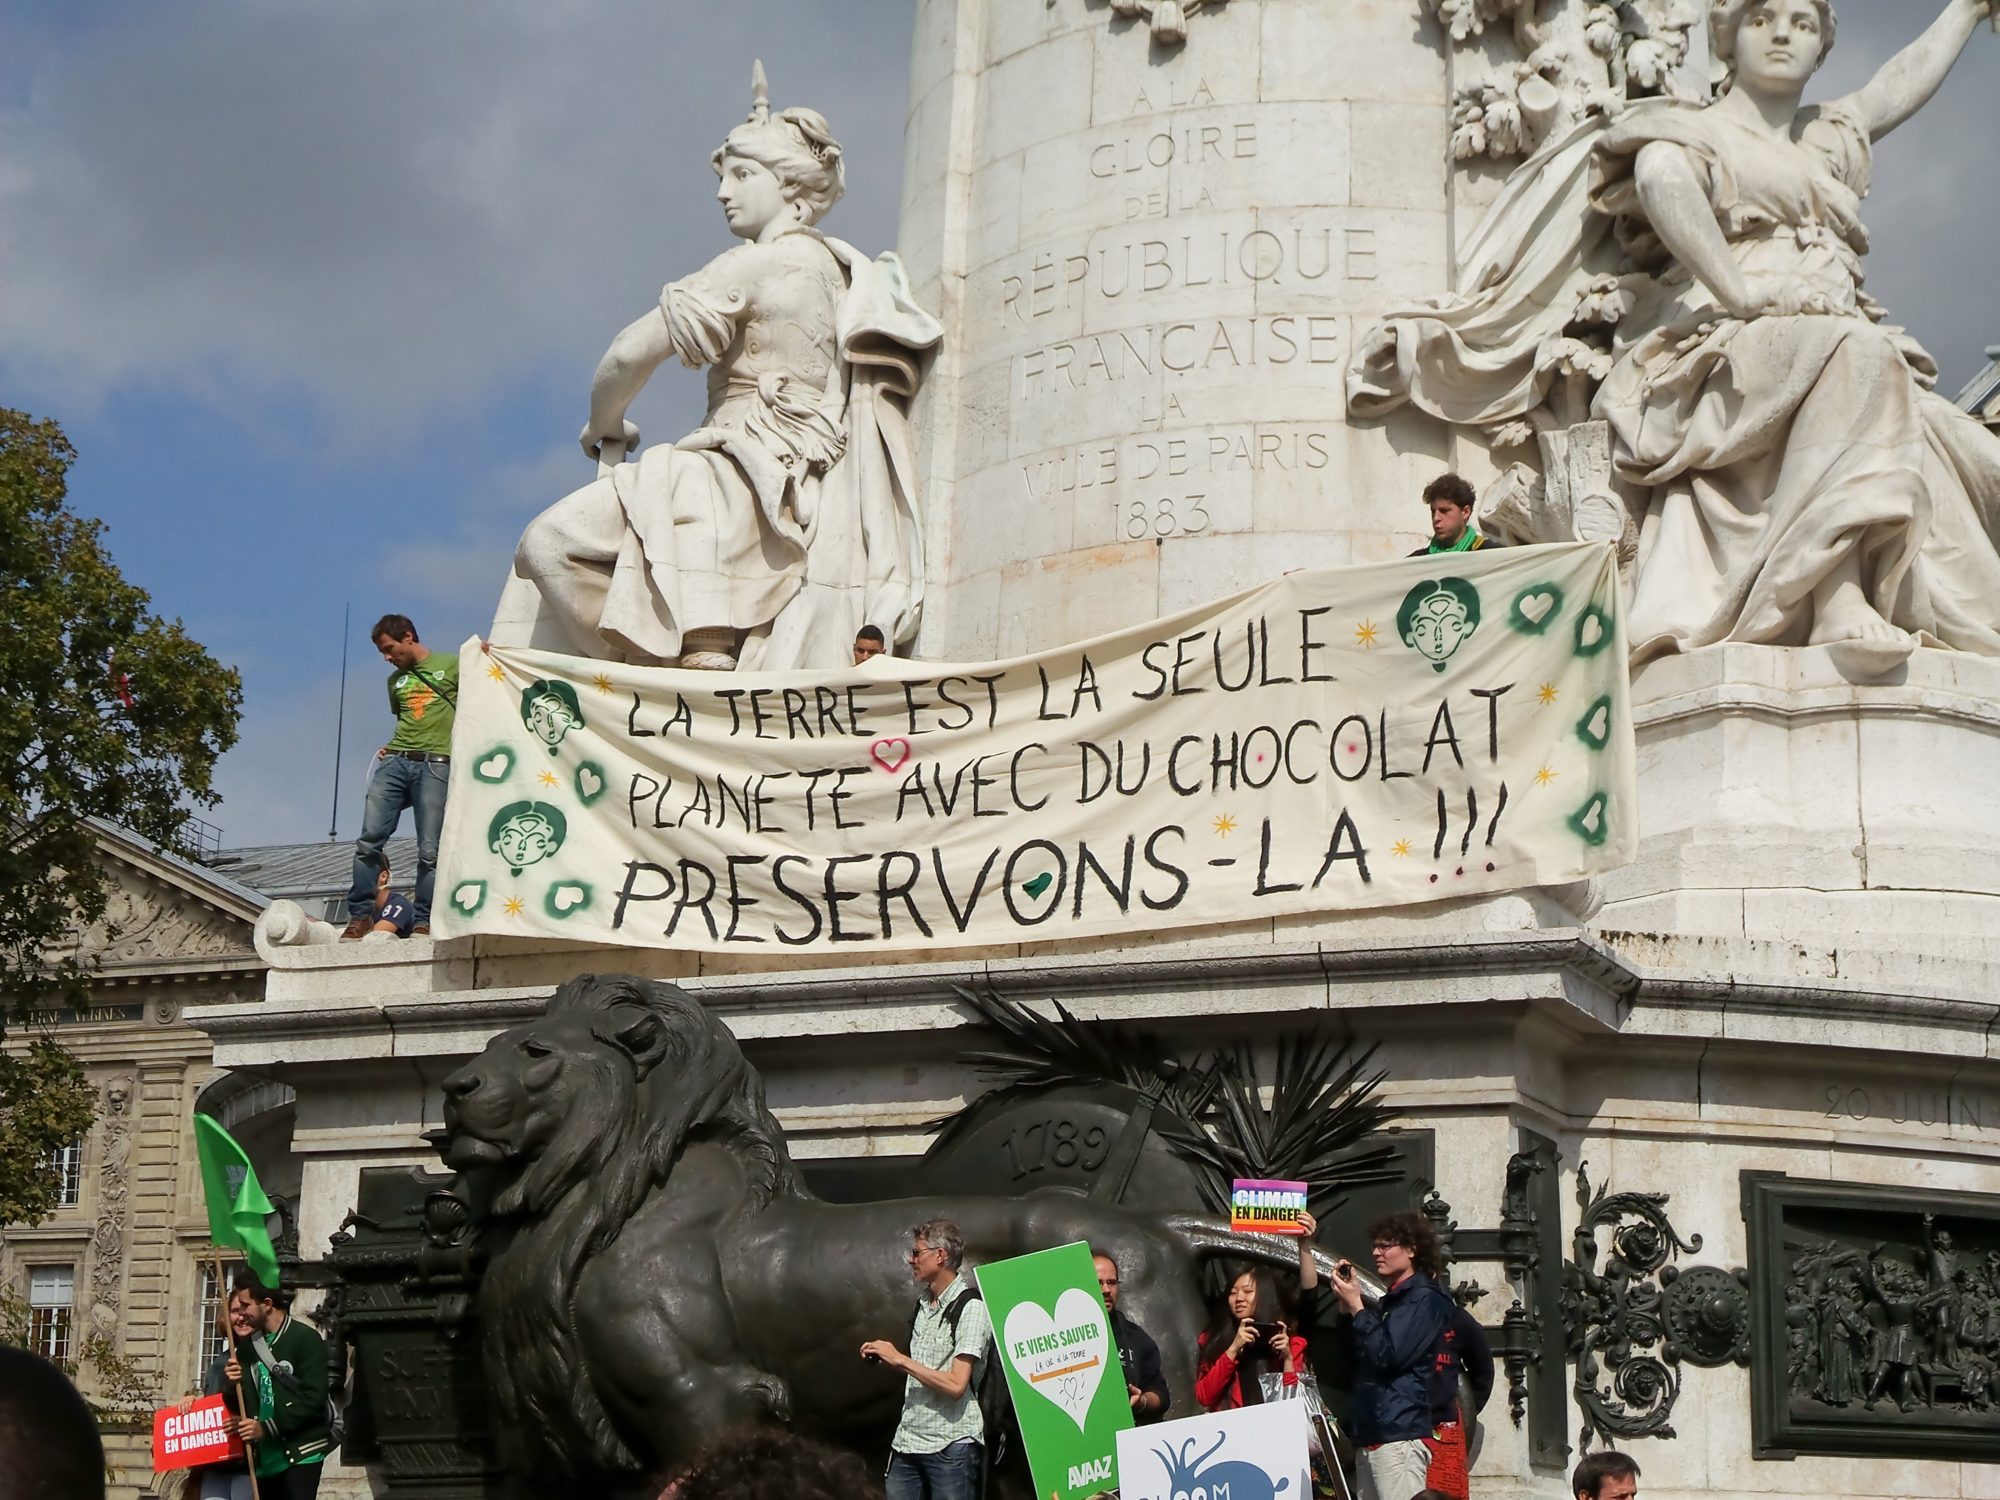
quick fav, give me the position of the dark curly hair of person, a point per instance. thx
(764, 1463)
(1415, 1232)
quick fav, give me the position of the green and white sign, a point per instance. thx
(1062, 1367)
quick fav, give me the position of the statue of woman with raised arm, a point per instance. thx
(1798, 481)
(768, 536)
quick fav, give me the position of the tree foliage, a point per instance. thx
(107, 712)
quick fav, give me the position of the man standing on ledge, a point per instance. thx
(413, 770)
(939, 1446)
(1145, 1382)
(1451, 500)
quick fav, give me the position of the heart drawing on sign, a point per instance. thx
(566, 896)
(1536, 606)
(495, 767)
(468, 895)
(1063, 1358)
(1039, 884)
(588, 783)
(1591, 822)
(891, 754)
(1594, 728)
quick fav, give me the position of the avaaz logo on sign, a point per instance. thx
(1253, 1453)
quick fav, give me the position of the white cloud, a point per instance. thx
(393, 210)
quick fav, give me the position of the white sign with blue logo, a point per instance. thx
(1252, 1453)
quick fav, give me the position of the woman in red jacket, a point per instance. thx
(1255, 1333)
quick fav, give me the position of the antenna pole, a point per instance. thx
(340, 721)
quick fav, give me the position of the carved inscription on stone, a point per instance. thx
(1050, 283)
(1208, 344)
(1900, 1104)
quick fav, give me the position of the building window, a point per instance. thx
(212, 1294)
(67, 1163)
(51, 1310)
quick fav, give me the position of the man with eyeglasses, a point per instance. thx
(1398, 1343)
(1145, 1382)
(939, 1446)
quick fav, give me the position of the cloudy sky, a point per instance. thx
(316, 287)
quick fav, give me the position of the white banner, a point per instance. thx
(1251, 1452)
(1332, 741)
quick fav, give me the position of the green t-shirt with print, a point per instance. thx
(422, 698)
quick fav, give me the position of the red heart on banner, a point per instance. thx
(891, 754)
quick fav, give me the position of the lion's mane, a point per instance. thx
(668, 1073)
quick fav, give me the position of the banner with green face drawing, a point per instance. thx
(1342, 740)
(1062, 1367)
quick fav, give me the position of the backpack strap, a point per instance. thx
(280, 1371)
(450, 698)
(952, 1310)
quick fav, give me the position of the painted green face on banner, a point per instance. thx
(550, 711)
(1437, 617)
(526, 833)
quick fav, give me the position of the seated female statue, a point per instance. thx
(1799, 481)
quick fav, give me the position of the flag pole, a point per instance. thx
(229, 1349)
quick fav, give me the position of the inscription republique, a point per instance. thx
(1217, 256)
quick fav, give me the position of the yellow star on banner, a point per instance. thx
(1364, 635)
(1224, 826)
(548, 778)
(1401, 848)
(495, 673)
(1546, 775)
(602, 682)
(512, 906)
(1548, 694)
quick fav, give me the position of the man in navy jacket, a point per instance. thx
(1397, 1342)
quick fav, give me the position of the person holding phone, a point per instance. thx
(1254, 1333)
(1397, 1342)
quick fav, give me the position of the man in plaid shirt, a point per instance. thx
(938, 1447)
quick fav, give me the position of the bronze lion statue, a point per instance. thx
(664, 1274)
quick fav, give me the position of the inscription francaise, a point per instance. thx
(1216, 343)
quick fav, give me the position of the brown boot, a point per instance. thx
(422, 929)
(357, 927)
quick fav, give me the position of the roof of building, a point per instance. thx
(292, 871)
(221, 886)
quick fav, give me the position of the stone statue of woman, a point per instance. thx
(1797, 481)
(768, 536)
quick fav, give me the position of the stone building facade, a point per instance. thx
(122, 1260)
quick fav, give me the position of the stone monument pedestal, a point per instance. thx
(1782, 803)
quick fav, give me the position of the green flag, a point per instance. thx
(237, 1206)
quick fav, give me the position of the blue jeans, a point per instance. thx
(950, 1475)
(396, 784)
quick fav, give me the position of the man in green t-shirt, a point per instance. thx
(1451, 500)
(413, 770)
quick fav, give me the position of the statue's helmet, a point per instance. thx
(798, 148)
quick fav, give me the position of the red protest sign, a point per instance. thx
(203, 1434)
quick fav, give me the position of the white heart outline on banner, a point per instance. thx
(1066, 1376)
